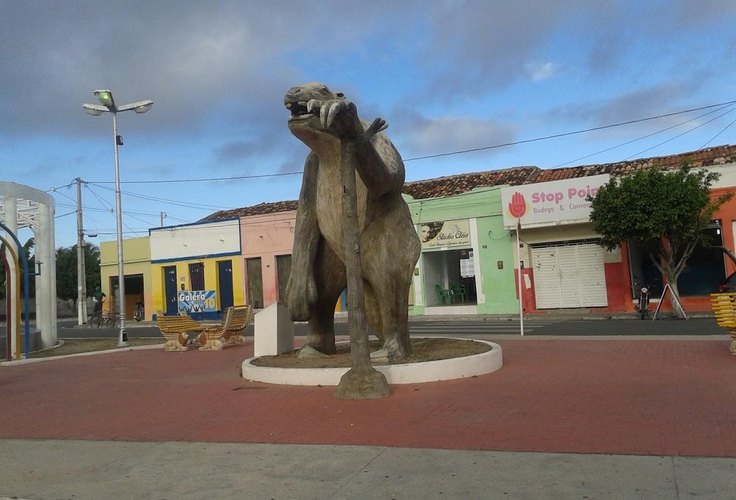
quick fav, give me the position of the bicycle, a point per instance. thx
(106, 320)
(643, 302)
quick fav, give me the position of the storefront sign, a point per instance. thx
(197, 301)
(550, 203)
(441, 234)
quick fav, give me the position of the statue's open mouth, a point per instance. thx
(299, 109)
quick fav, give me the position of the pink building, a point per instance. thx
(267, 239)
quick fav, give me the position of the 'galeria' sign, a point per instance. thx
(550, 203)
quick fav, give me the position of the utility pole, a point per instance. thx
(163, 216)
(81, 271)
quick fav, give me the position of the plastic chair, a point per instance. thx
(458, 290)
(445, 295)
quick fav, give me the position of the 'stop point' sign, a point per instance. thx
(550, 203)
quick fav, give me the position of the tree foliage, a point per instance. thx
(66, 271)
(666, 212)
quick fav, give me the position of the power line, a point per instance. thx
(719, 133)
(185, 204)
(647, 136)
(208, 179)
(678, 135)
(567, 134)
(452, 153)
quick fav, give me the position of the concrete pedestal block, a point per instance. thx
(274, 331)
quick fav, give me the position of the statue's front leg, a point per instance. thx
(330, 278)
(301, 289)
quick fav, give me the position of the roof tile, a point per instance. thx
(461, 183)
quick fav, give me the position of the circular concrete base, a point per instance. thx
(409, 373)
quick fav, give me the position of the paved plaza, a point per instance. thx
(597, 418)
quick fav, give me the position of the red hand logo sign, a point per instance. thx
(517, 207)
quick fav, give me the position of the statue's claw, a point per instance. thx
(378, 125)
(334, 110)
(312, 104)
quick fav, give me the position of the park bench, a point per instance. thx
(175, 330)
(229, 332)
(724, 310)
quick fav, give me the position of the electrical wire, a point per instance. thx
(169, 201)
(719, 133)
(678, 135)
(643, 137)
(567, 134)
(452, 153)
(64, 215)
(209, 179)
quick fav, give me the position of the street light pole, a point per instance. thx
(108, 106)
(123, 336)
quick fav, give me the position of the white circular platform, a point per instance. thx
(409, 373)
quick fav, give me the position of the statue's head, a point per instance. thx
(305, 102)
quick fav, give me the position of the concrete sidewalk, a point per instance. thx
(564, 418)
(95, 470)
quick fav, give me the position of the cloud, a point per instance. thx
(475, 48)
(541, 71)
(451, 134)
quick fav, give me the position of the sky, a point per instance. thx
(465, 86)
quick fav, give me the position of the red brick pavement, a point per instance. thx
(643, 397)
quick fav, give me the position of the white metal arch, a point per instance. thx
(23, 207)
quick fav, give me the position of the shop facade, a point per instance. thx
(138, 277)
(466, 264)
(196, 268)
(562, 263)
(267, 242)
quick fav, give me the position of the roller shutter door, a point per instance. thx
(569, 275)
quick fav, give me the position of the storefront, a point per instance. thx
(196, 268)
(466, 265)
(562, 262)
(448, 263)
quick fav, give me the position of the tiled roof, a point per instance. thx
(260, 209)
(462, 183)
(718, 155)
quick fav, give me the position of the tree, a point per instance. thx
(666, 212)
(66, 271)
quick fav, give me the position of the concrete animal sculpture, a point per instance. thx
(389, 245)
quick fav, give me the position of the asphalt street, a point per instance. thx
(68, 329)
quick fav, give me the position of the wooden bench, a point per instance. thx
(724, 309)
(175, 330)
(229, 332)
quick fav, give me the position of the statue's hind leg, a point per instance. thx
(394, 319)
(388, 266)
(330, 278)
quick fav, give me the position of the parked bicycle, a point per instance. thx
(642, 303)
(106, 320)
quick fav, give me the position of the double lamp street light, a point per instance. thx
(107, 105)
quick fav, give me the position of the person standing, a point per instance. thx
(98, 298)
